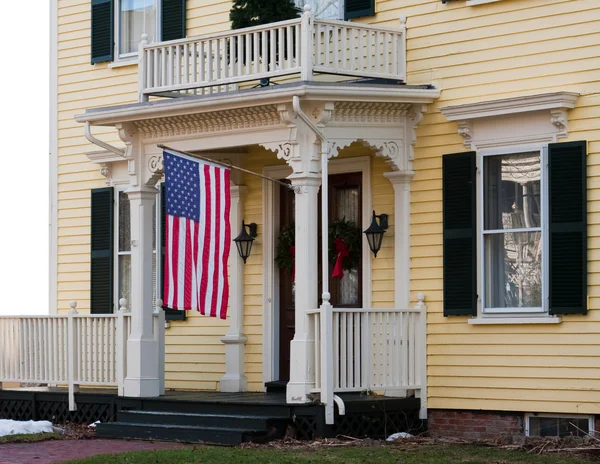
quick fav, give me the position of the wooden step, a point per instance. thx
(276, 386)
(182, 433)
(241, 421)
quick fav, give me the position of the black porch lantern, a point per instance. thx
(243, 242)
(375, 232)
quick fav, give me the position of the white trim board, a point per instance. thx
(53, 154)
(270, 272)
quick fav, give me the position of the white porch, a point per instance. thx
(370, 349)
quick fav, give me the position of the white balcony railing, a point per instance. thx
(372, 350)
(69, 349)
(302, 46)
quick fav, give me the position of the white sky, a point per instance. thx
(24, 204)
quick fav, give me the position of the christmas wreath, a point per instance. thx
(344, 246)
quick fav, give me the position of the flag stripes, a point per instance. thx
(198, 235)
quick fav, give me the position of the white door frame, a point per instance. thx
(270, 213)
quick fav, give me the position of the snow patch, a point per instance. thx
(11, 427)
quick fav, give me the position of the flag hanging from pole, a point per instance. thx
(198, 235)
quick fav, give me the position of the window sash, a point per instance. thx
(117, 30)
(119, 254)
(483, 233)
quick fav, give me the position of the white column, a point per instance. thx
(401, 183)
(143, 378)
(235, 379)
(306, 286)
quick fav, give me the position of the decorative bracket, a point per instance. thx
(156, 168)
(464, 130)
(559, 120)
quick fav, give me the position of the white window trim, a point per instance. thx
(480, 2)
(129, 59)
(158, 259)
(512, 315)
(589, 417)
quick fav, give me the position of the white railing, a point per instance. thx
(300, 46)
(71, 349)
(373, 350)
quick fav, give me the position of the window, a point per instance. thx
(545, 425)
(512, 233)
(339, 9)
(123, 277)
(134, 18)
(515, 233)
(118, 25)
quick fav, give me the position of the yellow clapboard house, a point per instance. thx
(472, 127)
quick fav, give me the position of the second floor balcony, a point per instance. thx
(301, 48)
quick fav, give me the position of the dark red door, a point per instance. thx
(345, 202)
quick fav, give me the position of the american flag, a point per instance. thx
(197, 235)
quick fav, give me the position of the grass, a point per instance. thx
(30, 438)
(380, 454)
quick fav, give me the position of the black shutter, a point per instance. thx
(170, 314)
(568, 228)
(460, 246)
(101, 295)
(102, 30)
(357, 8)
(173, 19)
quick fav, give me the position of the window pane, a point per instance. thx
(347, 202)
(512, 191)
(124, 223)
(513, 270)
(154, 225)
(137, 17)
(125, 277)
(324, 9)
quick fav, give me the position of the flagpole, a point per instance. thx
(225, 165)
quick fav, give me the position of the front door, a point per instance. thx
(345, 203)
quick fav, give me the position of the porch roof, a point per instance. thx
(361, 91)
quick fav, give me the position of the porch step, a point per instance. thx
(253, 422)
(182, 433)
(224, 428)
(276, 386)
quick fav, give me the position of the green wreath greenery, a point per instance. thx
(348, 231)
(283, 253)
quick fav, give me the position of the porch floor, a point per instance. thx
(366, 415)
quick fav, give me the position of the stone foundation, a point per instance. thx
(477, 425)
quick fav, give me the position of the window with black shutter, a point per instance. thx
(567, 228)
(460, 248)
(118, 25)
(358, 8)
(102, 262)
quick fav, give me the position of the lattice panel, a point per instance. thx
(377, 425)
(58, 412)
(16, 409)
(306, 427)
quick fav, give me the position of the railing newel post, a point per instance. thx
(306, 44)
(422, 350)
(402, 50)
(142, 71)
(159, 335)
(72, 355)
(121, 346)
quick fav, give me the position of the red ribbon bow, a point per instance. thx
(342, 251)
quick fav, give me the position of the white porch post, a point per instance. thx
(306, 286)
(401, 183)
(143, 378)
(235, 379)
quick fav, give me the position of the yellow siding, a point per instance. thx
(499, 50)
(503, 49)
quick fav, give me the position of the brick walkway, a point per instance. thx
(56, 451)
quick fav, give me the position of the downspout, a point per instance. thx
(100, 143)
(326, 312)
